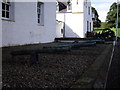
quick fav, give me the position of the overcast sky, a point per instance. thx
(102, 7)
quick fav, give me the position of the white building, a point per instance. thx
(27, 22)
(76, 17)
(0, 27)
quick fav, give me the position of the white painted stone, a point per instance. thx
(25, 29)
(76, 21)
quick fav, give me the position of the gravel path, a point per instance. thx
(52, 70)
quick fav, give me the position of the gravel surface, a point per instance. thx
(51, 71)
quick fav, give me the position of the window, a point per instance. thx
(89, 10)
(77, 2)
(85, 3)
(62, 31)
(57, 6)
(40, 12)
(6, 9)
(69, 5)
(90, 26)
(87, 25)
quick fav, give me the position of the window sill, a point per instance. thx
(40, 25)
(4, 19)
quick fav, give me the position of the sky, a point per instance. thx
(102, 7)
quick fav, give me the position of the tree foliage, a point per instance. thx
(96, 20)
(104, 25)
(112, 15)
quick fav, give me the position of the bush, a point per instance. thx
(104, 34)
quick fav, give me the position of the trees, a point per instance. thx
(112, 15)
(96, 20)
(104, 25)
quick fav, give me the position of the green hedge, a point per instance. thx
(97, 30)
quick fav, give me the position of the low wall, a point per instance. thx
(91, 78)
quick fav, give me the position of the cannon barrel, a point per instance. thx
(78, 45)
(97, 41)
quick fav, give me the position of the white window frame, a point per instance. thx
(57, 6)
(7, 4)
(11, 11)
(40, 13)
(69, 6)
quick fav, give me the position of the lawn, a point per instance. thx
(100, 30)
(114, 29)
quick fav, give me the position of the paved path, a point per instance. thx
(113, 80)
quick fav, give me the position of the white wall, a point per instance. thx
(0, 25)
(76, 21)
(59, 27)
(77, 7)
(25, 29)
(73, 24)
(87, 17)
(0, 49)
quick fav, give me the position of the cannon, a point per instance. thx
(97, 41)
(78, 45)
(34, 53)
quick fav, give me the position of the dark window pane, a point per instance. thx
(7, 7)
(8, 2)
(38, 10)
(39, 5)
(3, 13)
(38, 15)
(7, 14)
(69, 5)
(62, 31)
(3, 6)
(38, 20)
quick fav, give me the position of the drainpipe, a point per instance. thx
(64, 27)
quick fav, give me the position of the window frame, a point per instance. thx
(7, 4)
(87, 25)
(57, 6)
(89, 11)
(69, 6)
(90, 27)
(40, 13)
